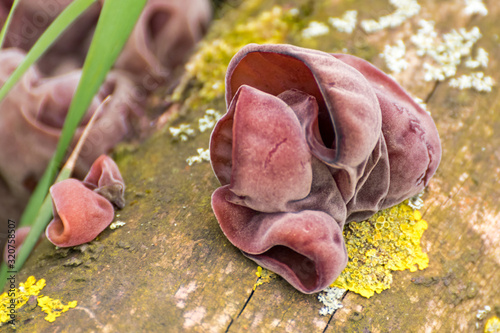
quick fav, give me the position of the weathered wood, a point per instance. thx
(170, 268)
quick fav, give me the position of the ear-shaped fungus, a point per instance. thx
(311, 141)
(163, 37)
(80, 214)
(82, 210)
(31, 120)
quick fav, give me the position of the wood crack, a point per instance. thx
(241, 311)
(333, 314)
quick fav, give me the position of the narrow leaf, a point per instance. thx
(6, 25)
(60, 24)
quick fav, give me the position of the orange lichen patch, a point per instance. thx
(388, 241)
(20, 296)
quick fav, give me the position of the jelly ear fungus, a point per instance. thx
(311, 141)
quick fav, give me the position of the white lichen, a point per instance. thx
(395, 57)
(416, 202)
(425, 39)
(476, 81)
(482, 59)
(446, 52)
(475, 7)
(346, 23)
(481, 314)
(315, 29)
(404, 10)
(209, 120)
(331, 297)
(203, 155)
(182, 133)
(294, 12)
(116, 225)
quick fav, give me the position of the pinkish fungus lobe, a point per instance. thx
(311, 141)
(82, 210)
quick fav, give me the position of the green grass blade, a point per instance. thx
(63, 21)
(60, 24)
(117, 19)
(6, 25)
(115, 24)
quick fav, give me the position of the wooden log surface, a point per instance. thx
(170, 268)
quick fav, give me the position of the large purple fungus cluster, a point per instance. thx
(311, 141)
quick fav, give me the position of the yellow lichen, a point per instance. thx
(20, 296)
(208, 66)
(388, 241)
(53, 307)
(263, 276)
(492, 325)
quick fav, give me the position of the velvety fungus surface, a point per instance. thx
(82, 210)
(311, 141)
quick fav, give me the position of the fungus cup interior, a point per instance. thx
(281, 73)
(348, 111)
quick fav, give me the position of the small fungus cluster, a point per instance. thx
(165, 34)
